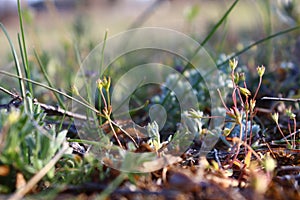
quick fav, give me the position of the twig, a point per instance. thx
(281, 99)
(14, 95)
(19, 194)
(55, 110)
(16, 101)
(51, 89)
(125, 132)
(49, 109)
(292, 134)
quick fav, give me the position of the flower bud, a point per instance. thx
(242, 76)
(106, 83)
(252, 104)
(233, 64)
(275, 117)
(99, 83)
(289, 113)
(236, 78)
(261, 70)
(245, 91)
(74, 90)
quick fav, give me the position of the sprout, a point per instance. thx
(153, 132)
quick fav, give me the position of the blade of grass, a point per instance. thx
(51, 89)
(257, 43)
(249, 47)
(103, 48)
(87, 89)
(23, 51)
(268, 30)
(60, 101)
(215, 28)
(207, 38)
(17, 64)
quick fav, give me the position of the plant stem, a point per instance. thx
(18, 68)
(22, 45)
(49, 88)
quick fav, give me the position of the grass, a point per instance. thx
(46, 150)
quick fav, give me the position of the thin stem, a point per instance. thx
(295, 128)
(239, 143)
(128, 135)
(22, 45)
(258, 42)
(220, 95)
(246, 126)
(252, 151)
(234, 97)
(108, 96)
(113, 130)
(50, 88)
(60, 101)
(20, 193)
(207, 38)
(259, 84)
(103, 48)
(9, 92)
(282, 134)
(241, 99)
(18, 68)
(281, 99)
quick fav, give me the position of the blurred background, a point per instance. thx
(60, 29)
(48, 22)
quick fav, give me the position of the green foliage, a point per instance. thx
(26, 144)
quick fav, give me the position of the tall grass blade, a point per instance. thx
(207, 38)
(267, 50)
(215, 28)
(251, 46)
(17, 64)
(50, 88)
(60, 101)
(92, 114)
(23, 51)
(258, 42)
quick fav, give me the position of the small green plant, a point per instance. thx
(243, 110)
(26, 144)
(292, 128)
